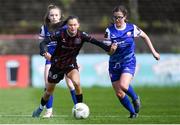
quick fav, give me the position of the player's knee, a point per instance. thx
(70, 85)
(120, 94)
(48, 93)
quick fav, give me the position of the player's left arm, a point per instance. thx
(43, 47)
(149, 44)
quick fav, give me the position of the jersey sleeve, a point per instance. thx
(107, 38)
(41, 33)
(107, 34)
(85, 37)
(137, 31)
(101, 44)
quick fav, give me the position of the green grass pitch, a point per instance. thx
(159, 106)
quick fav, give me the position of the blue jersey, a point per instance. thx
(123, 60)
(44, 33)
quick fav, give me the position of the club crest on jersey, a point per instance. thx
(129, 33)
(77, 41)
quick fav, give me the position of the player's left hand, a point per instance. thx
(47, 56)
(112, 49)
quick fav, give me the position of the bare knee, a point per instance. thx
(120, 94)
(118, 89)
(70, 86)
(49, 91)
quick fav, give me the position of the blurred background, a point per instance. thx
(21, 21)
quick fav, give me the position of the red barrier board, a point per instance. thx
(14, 71)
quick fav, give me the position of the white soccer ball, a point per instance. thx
(80, 111)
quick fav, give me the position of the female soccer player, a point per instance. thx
(53, 22)
(122, 63)
(69, 43)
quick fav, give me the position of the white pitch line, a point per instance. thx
(8, 115)
(94, 116)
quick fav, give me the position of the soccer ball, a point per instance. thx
(80, 111)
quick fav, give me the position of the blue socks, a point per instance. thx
(130, 92)
(73, 95)
(49, 104)
(127, 104)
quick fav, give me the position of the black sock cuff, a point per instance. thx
(79, 98)
(43, 102)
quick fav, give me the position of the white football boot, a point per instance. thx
(48, 113)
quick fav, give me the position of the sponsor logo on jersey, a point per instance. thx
(129, 34)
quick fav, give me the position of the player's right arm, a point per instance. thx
(43, 46)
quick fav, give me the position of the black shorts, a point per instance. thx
(56, 74)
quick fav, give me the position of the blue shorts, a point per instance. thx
(47, 62)
(116, 69)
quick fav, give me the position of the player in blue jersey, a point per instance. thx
(122, 63)
(52, 22)
(64, 62)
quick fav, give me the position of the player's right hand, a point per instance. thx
(112, 49)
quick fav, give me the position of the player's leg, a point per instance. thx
(74, 76)
(135, 99)
(125, 81)
(49, 91)
(123, 98)
(72, 89)
(49, 104)
(55, 75)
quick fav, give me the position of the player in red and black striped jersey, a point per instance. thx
(53, 21)
(69, 43)
(68, 47)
